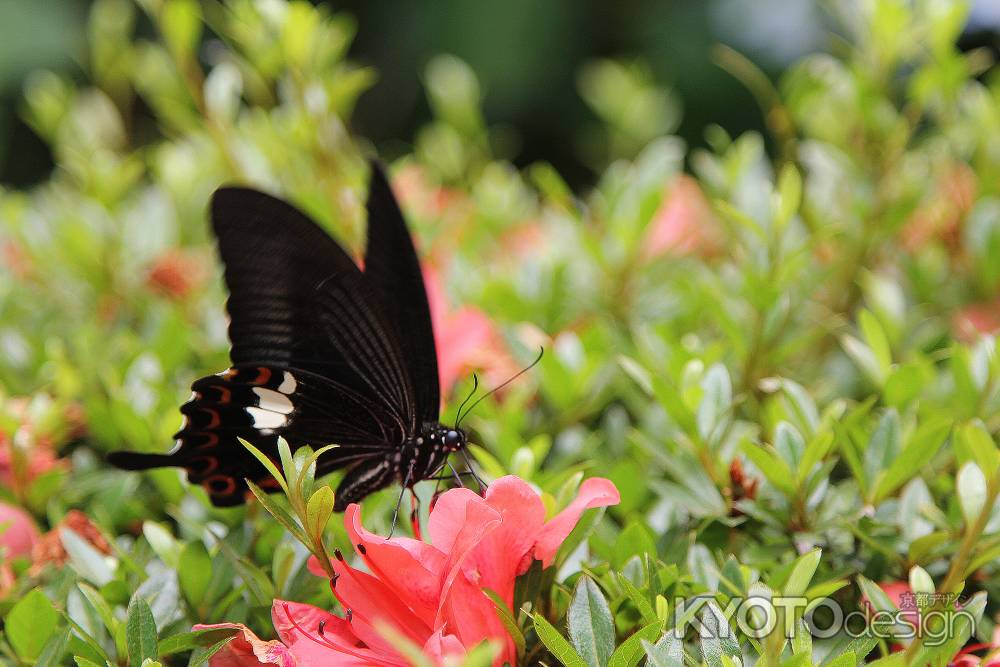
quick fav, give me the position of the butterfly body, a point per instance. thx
(323, 354)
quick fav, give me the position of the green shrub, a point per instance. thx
(782, 361)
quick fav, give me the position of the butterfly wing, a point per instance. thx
(259, 404)
(299, 305)
(393, 270)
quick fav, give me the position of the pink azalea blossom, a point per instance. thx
(24, 452)
(430, 594)
(683, 224)
(18, 533)
(465, 338)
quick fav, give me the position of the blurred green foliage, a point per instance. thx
(780, 361)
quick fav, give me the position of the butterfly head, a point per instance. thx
(454, 439)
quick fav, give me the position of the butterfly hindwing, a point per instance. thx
(259, 404)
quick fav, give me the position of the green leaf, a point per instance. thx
(773, 468)
(507, 618)
(802, 640)
(30, 624)
(257, 582)
(920, 581)
(789, 195)
(556, 643)
(717, 637)
(802, 573)
(187, 641)
(973, 442)
(668, 652)
(268, 463)
(789, 445)
(715, 402)
(591, 627)
(631, 650)
(84, 662)
(876, 596)
(54, 650)
(318, 511)
(878, 342)
(194, 572)
(638, 599)
(140, 631)
(163, 542)
(279, 513)
(181, 26)
(88, 562)
(971, 488)
(846, 659)
(923, 445)
(864, 357)
(883, 446)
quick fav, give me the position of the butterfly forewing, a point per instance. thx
(393, 270)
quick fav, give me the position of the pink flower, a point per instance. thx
(27, 451)
(430, 594)
(976, 319)
(465, 338)
(683, 224)
(18, 533)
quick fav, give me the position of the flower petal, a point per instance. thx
(440, 646)
(18, 533)
(594, 492)
(369, 600)
(316, 638)
(410, 568)
(246, 649)
(506, 552)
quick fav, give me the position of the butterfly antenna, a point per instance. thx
(541, 353)
(475, 386)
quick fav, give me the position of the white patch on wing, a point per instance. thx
(266, 418)
(288, 384)
(273, 401)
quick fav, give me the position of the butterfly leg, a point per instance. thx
(458, 477)
(468, 462)
(399, 501)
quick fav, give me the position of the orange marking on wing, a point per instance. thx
(263, 375)
(219, 485)
(212, 466)
(215, 418)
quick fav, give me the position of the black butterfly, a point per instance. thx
(322, 352)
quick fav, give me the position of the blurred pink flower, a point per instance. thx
(176, 274)
(976, 319)
(431, 594)
(465, 338)
(683, 224)
(18, 533)
(941, 216)
(26, 453)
